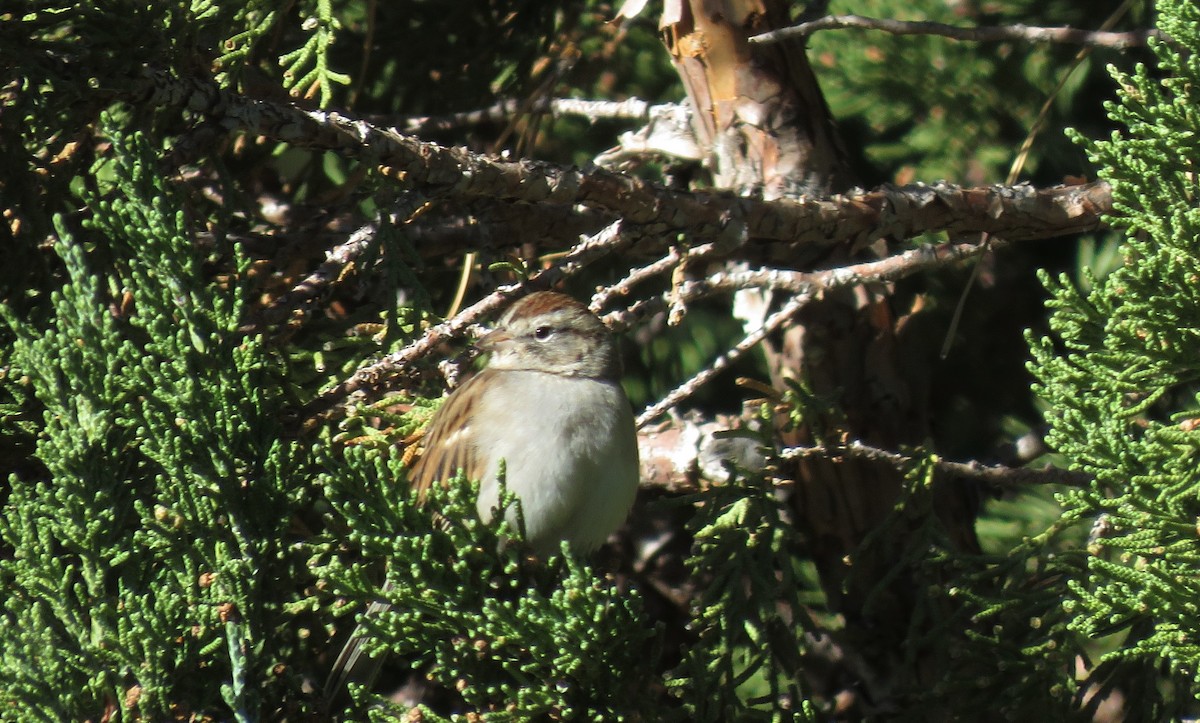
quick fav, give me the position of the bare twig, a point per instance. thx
(996, 475)
(673, 459)
(503, 111)
(622, 288)
(805, 286)
(892, 268)
(375, 375)
(688, 388)
(979, 34)
(487, 225)
(649, 271)
(297, 301)
(622, 319)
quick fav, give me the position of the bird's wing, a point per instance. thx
(447, 446)
(449, 430)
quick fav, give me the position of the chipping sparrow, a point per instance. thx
(549, 404)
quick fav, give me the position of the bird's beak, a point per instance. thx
(493, 339)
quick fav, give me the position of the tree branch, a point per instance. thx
(676, 455)
(503, 111)
(652, 217)
(688, 388)
(996, 475)
(297, 304)
(979, 34)
(892, 268)
(379, 373)
(805, 287)
(1013, 212)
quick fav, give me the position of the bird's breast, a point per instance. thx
(569, 452)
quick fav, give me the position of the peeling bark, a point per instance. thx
(767, 131)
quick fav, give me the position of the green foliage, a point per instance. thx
(62, 64)
(516, 639)
(954, 110)
(152, 566)
(151, 550)
(308, 65)
(1016, 649)
(513, 637)
(750, 617)
(151, 557)
(1121, 379)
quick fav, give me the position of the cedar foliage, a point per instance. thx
(169, 549)
(1120, 377)
(154, 541)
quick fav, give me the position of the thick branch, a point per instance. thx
(979, 34)
(1011, 212)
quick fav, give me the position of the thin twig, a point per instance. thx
(805, 286)
(296, 302)
(612, 237)
(997, 475)
(979, 34)
(502, 111)
(892, 268)
(622, 319)
(375, 375)
(643, 273)
(723, 362)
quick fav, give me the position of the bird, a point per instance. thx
(549, 409)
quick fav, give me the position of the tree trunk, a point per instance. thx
(764, 123)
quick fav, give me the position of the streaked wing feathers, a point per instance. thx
(447, 446)
(447, 449)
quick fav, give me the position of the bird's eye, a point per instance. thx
(542, 333)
